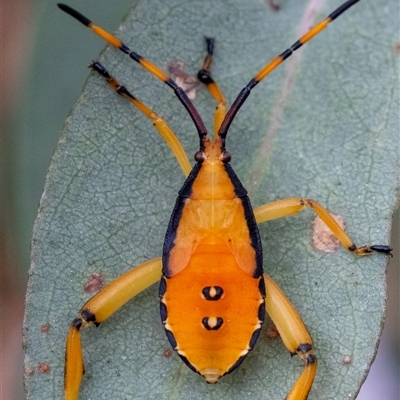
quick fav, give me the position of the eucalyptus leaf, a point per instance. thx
(324, 126)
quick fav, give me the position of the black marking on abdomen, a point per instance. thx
(212, 323)
(237, 363)
(261, 288)
(212, 292)
(254, 338)
(163, 287)
(261, 312)
(186, 361)
(163, 312)
(161, 292)
(253, 341)
(171, 339)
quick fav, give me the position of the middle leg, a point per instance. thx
(291, 206)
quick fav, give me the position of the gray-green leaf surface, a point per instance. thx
(324, 126)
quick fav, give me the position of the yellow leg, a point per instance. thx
(204, 76)
(291, 206)
(98, 309)
(146, 64)
(294, 335)
(161, 126)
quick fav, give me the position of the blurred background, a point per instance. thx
(43, 59)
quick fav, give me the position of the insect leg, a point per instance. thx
(146, 64)
(161, 126)
(204, 76)
(291, 206)
(294, 335)
(98, 309)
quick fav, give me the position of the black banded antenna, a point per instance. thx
(154, 70)
(265, 71)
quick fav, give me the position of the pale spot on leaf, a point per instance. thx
(323, 238)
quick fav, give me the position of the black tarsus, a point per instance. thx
(382, 249)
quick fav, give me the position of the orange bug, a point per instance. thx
(213, 290)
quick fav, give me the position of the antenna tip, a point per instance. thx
(73, 13)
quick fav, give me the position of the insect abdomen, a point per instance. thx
(214, 310)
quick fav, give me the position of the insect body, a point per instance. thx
(212, 314)
(213, 291)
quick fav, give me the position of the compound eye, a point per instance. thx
(226, 157)
(199, 156)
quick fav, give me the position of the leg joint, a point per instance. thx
(204, 76)
(77, 323)
(311, 359)
(89, 317)
(304, 348)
